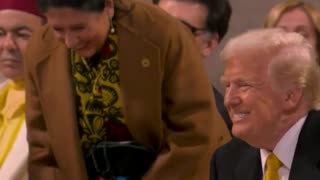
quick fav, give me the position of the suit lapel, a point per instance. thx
(251, 168)
(57, 93)
(306, 161)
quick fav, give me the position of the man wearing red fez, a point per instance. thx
(18, 20)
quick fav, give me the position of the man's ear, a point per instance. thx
(109, 8)
(293, 98)
(212, 44)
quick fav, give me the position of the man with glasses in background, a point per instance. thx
(208, 20)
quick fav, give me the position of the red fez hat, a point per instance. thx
(28, 6)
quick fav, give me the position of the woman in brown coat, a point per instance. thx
(125, 78)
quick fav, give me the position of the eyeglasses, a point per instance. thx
(192, 28)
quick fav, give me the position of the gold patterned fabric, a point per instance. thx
(273, 164)
(98, 98)
(12, 116)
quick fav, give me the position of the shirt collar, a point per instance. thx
(285, 148)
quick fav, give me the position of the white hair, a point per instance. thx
(292, 59)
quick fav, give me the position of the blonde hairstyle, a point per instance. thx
(283, 7)
(291, 59)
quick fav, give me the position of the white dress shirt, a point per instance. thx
(284, 150)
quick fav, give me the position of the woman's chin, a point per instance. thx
(85, 52)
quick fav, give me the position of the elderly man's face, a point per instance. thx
(16, 28)
(254, 106)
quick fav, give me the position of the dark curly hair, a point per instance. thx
(87, 5)
(219, 14)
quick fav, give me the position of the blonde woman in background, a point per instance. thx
(297, 16)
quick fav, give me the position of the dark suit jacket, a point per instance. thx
(221, 108)
(239, 161)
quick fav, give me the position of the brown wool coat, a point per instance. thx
(168, 101)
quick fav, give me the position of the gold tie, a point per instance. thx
(273, 165)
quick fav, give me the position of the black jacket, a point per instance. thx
(237, 160)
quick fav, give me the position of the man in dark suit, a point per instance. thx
(272, 85)
(209, 24)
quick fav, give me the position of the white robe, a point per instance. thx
(15, 163)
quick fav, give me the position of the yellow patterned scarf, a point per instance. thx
(98, 98)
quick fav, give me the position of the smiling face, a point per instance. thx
(83, 31)
(296, 20)
(253, 105)
(16, 28)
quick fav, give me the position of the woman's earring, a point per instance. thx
(112, 29)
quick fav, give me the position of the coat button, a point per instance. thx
(145, 62)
